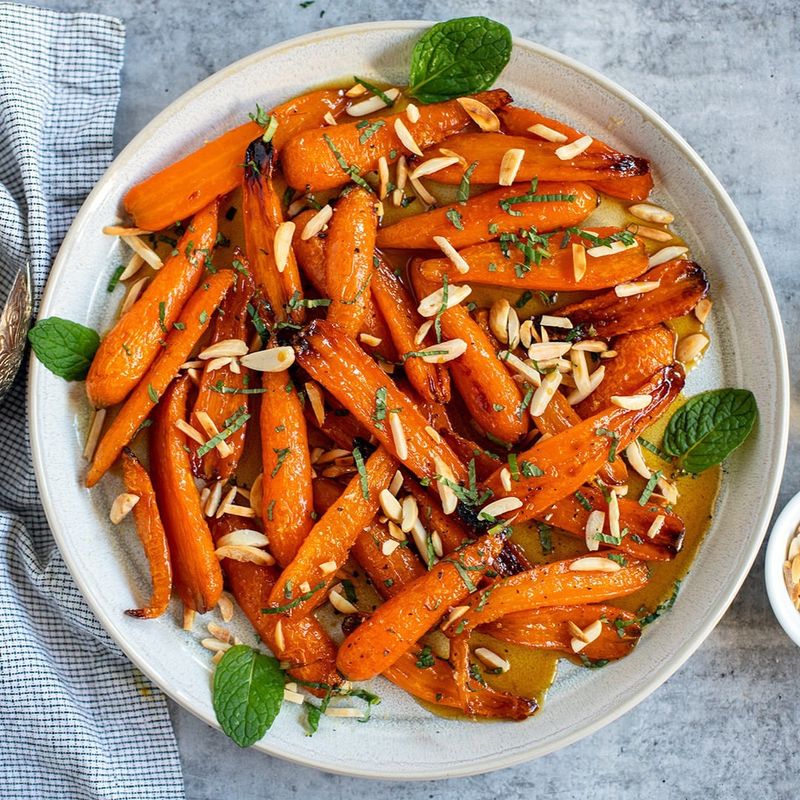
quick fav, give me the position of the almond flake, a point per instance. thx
(578, 262)
(691, 347)
(247, 537)
(253, 555)
(431, 305)
(133, 295)
(389, 546)
(406, 139)
(121, 507)
(501, 506)
(547, 133)
(432, 165)
(227, 348)
(509, 166)
(636, 288)
(631, 402)
(702, 309)
(491, 659)
(602, 250)
(273, 359)
(372, 104)
(317, 223)
(594, 527)
(666, 254)
(455, 257)
(93, 436)
(282, 244)
(655, 527)
(315, 397)
(651, 213)
(211, 430)
(594, 564)
(398, 436)
(480, 113)
(443, 352)
(573, 149)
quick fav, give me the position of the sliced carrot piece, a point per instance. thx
(131, 346)
(179, 342)
(488, 215)
(198, 578)
(151, 534)
(325, 159)
(186, 186)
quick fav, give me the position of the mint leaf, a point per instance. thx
(248, 692)
(458, 57)
(710, 427)
(66, 348)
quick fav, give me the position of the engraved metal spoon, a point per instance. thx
(15, 320)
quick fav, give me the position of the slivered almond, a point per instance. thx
(273, 359)
(690, 347)
(443, 352)
(215, 645)
(491, 659)
(149, 255)
(573, 149)
(578, 261)
(227, 348)
(296, 207)
(651, 213)
(668, 489)
(545, 393)
(184, 427)
(436, 542)
(591, 346)
(344, 712)
(397, 482)
(390, 506)
(446, 494)
(509, 166)
(455, 257)
(218, 632)
(330, 119)
(225, 502)
(633, 452)
(214, 498)
(666, 254)
(405, 137)
(594, 564)
(95, 429)
(505, 479)
(576, 631)
(211, 430)
(580, 371)
(503, 505)
(434, 434)
(588, 635)
(431, 165)
(317, 223)
(525, 370)
(135, 263)
(121, 507)
(389, 546)
(133, 295)
(226, 607)
(638, 287)
(410, 513)
(655, 234)
(372, 104)
(595, 379)
(402, 172)
(602, 250)
(121, 230)
(252, 555)
(613, 515)
(631, 402)
(422, 193)
(541, 351)
(547, 133)
(422, 331)
(218, 363)
(279, 638)
(383, 177)
(328, 567)
(356, 90)
(315, 397)
(282, 244)
(398, 436)
(188, 618)
(461, 160)
(655, 526)
(339, 602)
(455, 614)
(433, 304)
(480, 113)
(412, 112)
(395, 531)
(703, 309)
(246, 537)
(594, 526)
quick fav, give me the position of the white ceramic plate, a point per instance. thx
(404, 741)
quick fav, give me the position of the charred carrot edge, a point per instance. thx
(493, 264)
(287, 498)
(325, 159)
(131, 346)
(574, 456)
(483, 218)
(517, 121)
(151, 534)
(349, 252)
(394, 627)
(196, 316)
(639, 353)
(198, 578)
(334, 360)
(230, 323)
(683, 285)
(215, 169)
(331, 540)
(303, 645)
(341, 429)
(539, 161)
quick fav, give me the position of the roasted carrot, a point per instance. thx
(639, 353)
(182, 188)
(574, 456)
(338, 426)
(325, 159)
(517, 265)
(198, 578)
(331, 539)
(394, 627)
(131, 346)
(682, 285)
(334, 360)
(506, 210)
(518, 121)
(195, 318)
(219, 394)
(151, 534)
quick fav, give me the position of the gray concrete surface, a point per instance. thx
(726, 76)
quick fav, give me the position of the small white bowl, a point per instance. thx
(783, 532)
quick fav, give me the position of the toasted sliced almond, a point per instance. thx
(121, 507)
(655, 526)
(219, 363)
(444, 352)
(184, 427)
(638, 287)
(545, 393)
(578, 261)
(434, 434)
(341, 603)
(402, 173)
(135, 263)
(666, 254)
(525, 370)
(329, 119)
(395, 532)
(344, 712)
(273, 359)
(397, 482)
(505, 479)
(398, 436)
(214, 499)
(595, 379)
(121, 230)
(480, 113)
(446, 494)
(279, 637)
(226, 606)
(356, 90)
(455, 257)
(215, 645)
(491, 659)
(389, 546)
(434, 303)
(189, 615)
(412, 112)
(422, 193)
(405, 137)
(225, 502)
(133, 295)
(503, 505)
(227, 348)
(498, 319)
(526, 333)
(461, 160)
(252, 555)
(691, 347)
(509, 166)
(431, 165)
(613, 515)
(315, 397)
(422, 331)
(573, 149)
(328, 567)
(576, 631)
(633, 452)
(383, 177)
(455, 614)
(245, 536)
(556, 322)
(603, 250)
(655, 234)
(542, 351)
(651, 213)
(211, 430)
(282, 244)
(219, 632)
(594, 564)
(95, 429)
(631, 402)
(588, 635)
(390, 506)
(591, 346)
(580, 371)
(703, 309)
(594, 527)
(547, 133)
(371, 104)
(410, 513)
(149, 255)
(668, 489)
(317, 223)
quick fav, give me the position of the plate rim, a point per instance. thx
(749, 248)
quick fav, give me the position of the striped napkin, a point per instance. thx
(77, 720)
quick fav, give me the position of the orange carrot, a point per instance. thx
(179, 343)
(487, 216)
(151, 534)
(184, 187)
(198, 578)
(131, 346)
(325, 159)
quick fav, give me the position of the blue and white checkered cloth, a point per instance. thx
(77, 720)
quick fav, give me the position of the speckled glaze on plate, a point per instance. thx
(403, 741)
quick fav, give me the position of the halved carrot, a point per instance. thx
(394, 627)
(131, 346)
(539, 161)
(518, 121)
(151, 534)
(513, 264)
(487, 216)
(682, 285)
(574, 456)
(331, 539)
(185, 186)
(220, 393)
(334, 360)
(179, 342)
(639, 353)
(198, 578)
(325, 159)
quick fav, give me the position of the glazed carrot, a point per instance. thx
(349, 251)
(513, 265)
(339, 426)
(498, 211)
(198, 578)
(179, 342)
(262, 214)
(184, 187)
(574, 456)
(682, 285)
(334, 360)
(287, 500)
(151, 534)
(217, 394)
(131, 346)
(394, 627)
(325, 159)
(639, 353)
(331, 539)
(517, 121)
(539, 161)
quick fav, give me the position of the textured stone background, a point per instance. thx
(726, 75)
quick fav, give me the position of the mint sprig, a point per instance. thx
(66, 348)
